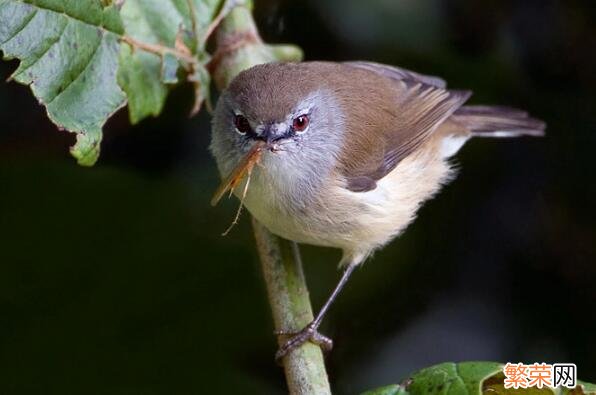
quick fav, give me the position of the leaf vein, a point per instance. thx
(89, 62)
(21, 28)
(41, 55)
(100, 26)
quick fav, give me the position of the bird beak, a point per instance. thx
(271, 133)
(244, 167)
(268, 135)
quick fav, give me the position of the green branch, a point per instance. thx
(290, 304)
(239, 47)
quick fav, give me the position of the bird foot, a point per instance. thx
(308, 334)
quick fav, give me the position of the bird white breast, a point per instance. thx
(356, 222)
(388, 209)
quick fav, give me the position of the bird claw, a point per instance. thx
(297, 339)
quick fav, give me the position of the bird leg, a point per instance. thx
(310, 332)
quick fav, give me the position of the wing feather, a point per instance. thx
(419, 106)
(398, 73)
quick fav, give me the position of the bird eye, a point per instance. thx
(300, 123)
(242, 125)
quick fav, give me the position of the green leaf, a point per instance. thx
(85, 59)
(152, 22)
(72, 56)
(141, 74)
(69, 58)
(453, 378)
(469, 378)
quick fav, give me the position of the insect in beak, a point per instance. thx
(244, 167)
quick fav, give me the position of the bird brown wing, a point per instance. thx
(398, 73)
(395, 123)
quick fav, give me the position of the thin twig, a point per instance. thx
(223, 12)
(286, 287)
(288, 296)
(160, 50)
(193, 21)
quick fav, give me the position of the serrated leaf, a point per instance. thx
(80, 65)
(85, 59)
(69, 58)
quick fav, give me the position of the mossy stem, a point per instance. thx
(240, 47)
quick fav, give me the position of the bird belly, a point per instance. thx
(286, 216)
(356, 222)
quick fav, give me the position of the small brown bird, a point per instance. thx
(347, 152)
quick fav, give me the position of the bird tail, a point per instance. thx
(497, 121)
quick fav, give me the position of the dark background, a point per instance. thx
(115, 279)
